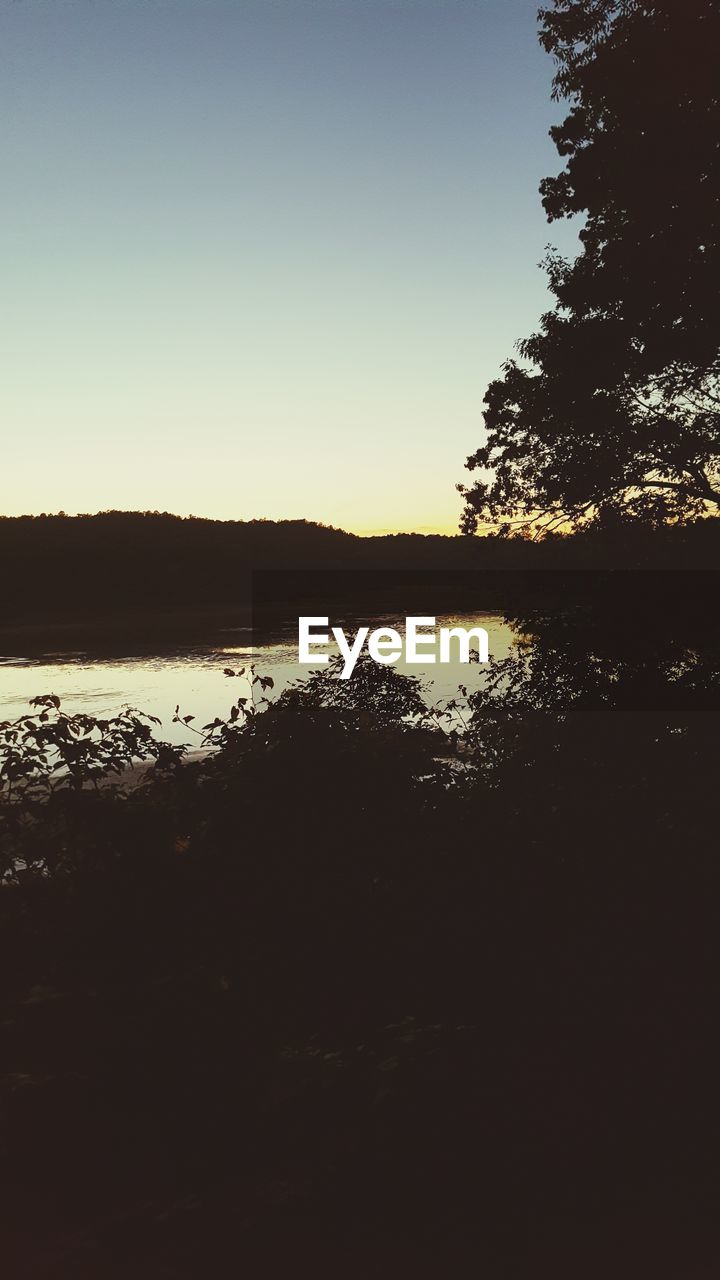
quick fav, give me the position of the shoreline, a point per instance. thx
(139, 629)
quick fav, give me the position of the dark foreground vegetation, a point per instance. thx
(373, 990)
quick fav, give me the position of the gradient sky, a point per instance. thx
(262, 257)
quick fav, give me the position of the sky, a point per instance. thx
(261, 258)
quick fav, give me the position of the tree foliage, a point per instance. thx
(360, 976)
(615, 400)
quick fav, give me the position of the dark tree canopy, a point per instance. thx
(615, 402)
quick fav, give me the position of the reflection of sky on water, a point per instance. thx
(194, 677)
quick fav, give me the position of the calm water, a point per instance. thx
(193, 676)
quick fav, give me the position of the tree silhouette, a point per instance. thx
(615, 403)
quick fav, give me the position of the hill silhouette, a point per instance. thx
(62, 569)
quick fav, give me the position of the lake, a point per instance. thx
(100, 684)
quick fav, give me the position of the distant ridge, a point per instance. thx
(60, 566)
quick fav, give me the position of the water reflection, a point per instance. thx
(192, 676)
